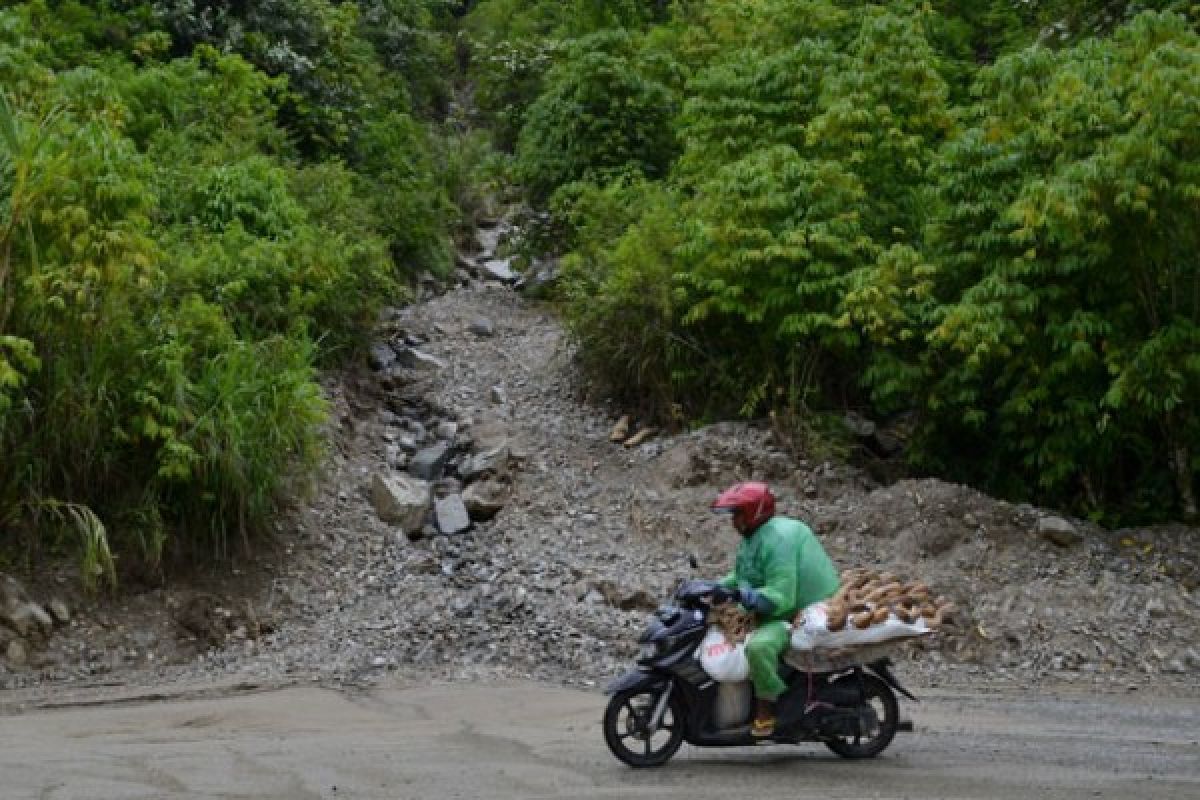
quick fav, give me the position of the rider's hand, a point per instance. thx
(755, 600)
(722, 595)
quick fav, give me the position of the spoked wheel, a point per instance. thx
(626, 728)
(878, 719)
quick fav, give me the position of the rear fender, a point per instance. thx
(883, 668)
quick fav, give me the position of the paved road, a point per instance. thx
(526, 741)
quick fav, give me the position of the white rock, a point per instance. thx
(451, 515)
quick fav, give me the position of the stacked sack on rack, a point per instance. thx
(870, 607)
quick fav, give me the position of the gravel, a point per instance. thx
(591, 535)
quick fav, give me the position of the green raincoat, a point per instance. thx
(785, 563)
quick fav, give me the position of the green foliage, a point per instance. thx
(473, 174)
(1066, 335)
(863, 212)
(772, 242)
(882, 115)
(395, 161)
(207, 100)
(172, 272)
(598, 117)
(750, 102)
(618, 293)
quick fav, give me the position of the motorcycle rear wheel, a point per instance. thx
(883, 723)
(625, 728)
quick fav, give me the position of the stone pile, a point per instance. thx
(25, 625)
(476, 522)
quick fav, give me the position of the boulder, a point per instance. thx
(1059, 531)
(420, 360)
(859, 425)
(482, 327)
(59, 610)
(494, 462)
(499, 269)
(400, 500)
(19, 612)
(485, 499)
(625, 599)
(490, 432)
(12, 594)
(29, 618)
(429, 463)
(382, 356)
(451, 515)
(489, 239)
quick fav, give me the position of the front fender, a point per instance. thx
(636, 679)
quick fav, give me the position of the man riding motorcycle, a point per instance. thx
(780, 568)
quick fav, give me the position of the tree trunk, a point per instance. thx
(1181, 466)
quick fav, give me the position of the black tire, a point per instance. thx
(625, 722)
(881, 724)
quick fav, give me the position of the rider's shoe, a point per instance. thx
(764, 719)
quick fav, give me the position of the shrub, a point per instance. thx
(598, 117)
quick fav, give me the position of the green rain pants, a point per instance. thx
(764, 648)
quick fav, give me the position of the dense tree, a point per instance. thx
(598, 116)
(981, 212)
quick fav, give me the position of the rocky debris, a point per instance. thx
(214, 621)
(571, 539)
(25, 624)
(420, 360)
(400, 500)
(484, 499)
(540, 278)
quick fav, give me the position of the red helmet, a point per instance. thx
(754, 500)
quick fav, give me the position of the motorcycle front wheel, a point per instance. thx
(627, 722)
(879, 719)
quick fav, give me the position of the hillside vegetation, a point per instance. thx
(980, 219)
(201, 205)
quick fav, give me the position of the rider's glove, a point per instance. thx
(722, 595)
(755, 600)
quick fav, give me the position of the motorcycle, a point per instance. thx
(668, 699)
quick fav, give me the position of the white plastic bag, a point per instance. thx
(722, 659)
(811, 631)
